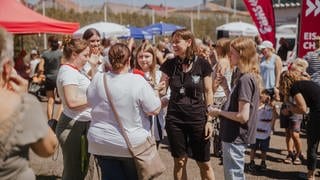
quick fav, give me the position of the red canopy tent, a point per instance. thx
(18, 19)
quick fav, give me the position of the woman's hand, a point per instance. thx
(161, 87)
(164, 102)
(95, 50)
(276, 94)
(94, 60)
(212, 111)
(208, 130)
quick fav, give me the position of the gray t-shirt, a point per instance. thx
(52, 60)
(26, 126)
(246, 89)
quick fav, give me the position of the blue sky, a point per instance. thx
(173, 3)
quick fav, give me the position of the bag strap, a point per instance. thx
(116, 113)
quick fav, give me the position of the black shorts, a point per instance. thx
(261, 144)
(188, 139)
(50, 84)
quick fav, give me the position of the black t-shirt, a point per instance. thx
(186, 104)
(246, 89)
(310, 92)
(283, 52)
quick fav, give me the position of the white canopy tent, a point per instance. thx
(239, 29)
(105, 29)
(287, 28)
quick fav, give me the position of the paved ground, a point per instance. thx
(276, 168)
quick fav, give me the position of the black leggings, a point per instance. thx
(313, 137)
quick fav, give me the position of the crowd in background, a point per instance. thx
(190, 89)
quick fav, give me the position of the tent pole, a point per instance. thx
(44, 14)
(191, 22)
(153, 21)
(45, 44)
(105, 11)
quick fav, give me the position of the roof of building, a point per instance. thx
(212, 7)
(157, 7)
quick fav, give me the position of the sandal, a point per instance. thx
(297, 161)
(288, 160)
(302, 156)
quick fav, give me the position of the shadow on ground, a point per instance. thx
(275, 174)
(47, 178)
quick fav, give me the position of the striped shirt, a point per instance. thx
(314, 65)
(314, 62)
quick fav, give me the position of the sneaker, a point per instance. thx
(263, 166)
(251, 166)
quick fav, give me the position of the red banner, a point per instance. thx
(261, 12)
(309, 26)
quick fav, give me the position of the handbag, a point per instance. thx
(146, 157)
(34, 88)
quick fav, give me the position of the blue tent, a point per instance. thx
(138, 33)
(162, 28)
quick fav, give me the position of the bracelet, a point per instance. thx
(210, 121)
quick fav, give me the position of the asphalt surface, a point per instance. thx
(51, 168)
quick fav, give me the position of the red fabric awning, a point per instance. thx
(19, 19)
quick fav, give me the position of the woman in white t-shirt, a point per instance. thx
(132, 97)
(74, 122)
(34, 61)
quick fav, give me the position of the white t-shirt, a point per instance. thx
(264, 125)
(70, 76)
(33, 65)
(133, 97)
(162, 113)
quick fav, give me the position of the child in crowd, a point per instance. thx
(266, 119)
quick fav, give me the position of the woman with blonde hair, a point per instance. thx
(292, 122)
(146, 61)
(300, 66)
(239, 115)
(270, 66)
(305, 94)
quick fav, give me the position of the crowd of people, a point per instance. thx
(190, 90)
